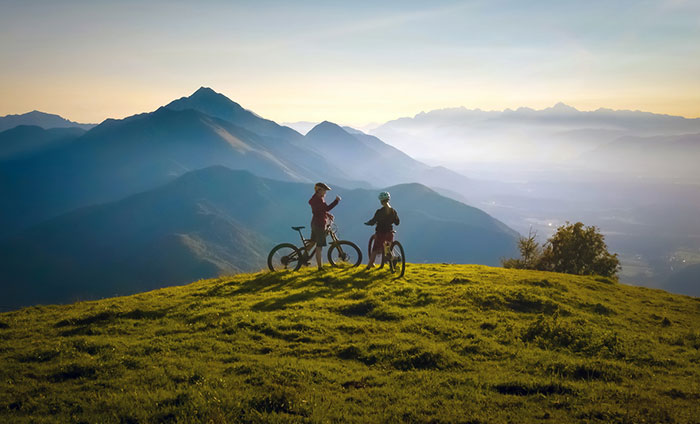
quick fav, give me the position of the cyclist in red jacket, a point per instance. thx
(384, 218)
(320, 218)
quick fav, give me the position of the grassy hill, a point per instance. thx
(448, 343)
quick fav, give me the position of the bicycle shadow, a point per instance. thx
(329, 283)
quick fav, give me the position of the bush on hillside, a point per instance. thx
(530, 253)
(573, 249)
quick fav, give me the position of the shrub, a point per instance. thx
(573, 249)
(530, 253)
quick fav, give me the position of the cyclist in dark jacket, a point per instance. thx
(384, 218)
(320, 218)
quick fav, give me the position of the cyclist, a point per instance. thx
(384, 218)
(320, 209)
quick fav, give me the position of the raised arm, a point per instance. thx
(332, 204)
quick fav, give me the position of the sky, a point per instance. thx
(349, 62)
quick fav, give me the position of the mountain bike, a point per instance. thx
(288, 257)
(392, 254)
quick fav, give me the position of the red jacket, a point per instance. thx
(320, 210)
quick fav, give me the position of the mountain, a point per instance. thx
(360, 156)
(551, 135)
(284, 142)
(39, 119)
(122, 157)
(445, 344)
(366, 157)
(27, 139)
(219, 220)
(219, 106)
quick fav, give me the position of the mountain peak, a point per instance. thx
(217, 105)
(207, 101)
(207, 94)
(205, 91)
(326, 128)
(562, 107)
(327, 125)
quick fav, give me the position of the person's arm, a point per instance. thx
(333, 204)
(396, 218)
(372, 221)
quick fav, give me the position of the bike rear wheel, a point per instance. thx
(284, 257)
(397, 259)
(344, 254)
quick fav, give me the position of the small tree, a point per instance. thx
(530, 253)
(575, 249)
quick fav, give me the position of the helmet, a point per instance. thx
(384, 195)
(321, 185)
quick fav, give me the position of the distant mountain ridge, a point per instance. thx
(218, 220)
(623, 118)
(553, 135)
(39, 119)
(24, 140)
(368, 158)
(122, 157)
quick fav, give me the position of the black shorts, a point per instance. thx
(318, 235)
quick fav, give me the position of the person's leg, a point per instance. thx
(319, 258)
(375, 249)
(372, 257)
(308, 247)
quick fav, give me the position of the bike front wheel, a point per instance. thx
(397, 259)
(344, 254)
(284, 257)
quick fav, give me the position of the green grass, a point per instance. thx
(449, 343)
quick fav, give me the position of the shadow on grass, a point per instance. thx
(330, 282)
(527, 389)
(88, 325)
(72, 372)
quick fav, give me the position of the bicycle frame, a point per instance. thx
(340, 252)
(306, 243)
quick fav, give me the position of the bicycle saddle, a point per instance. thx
(298, 228)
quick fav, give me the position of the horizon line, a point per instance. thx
(364, 124)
